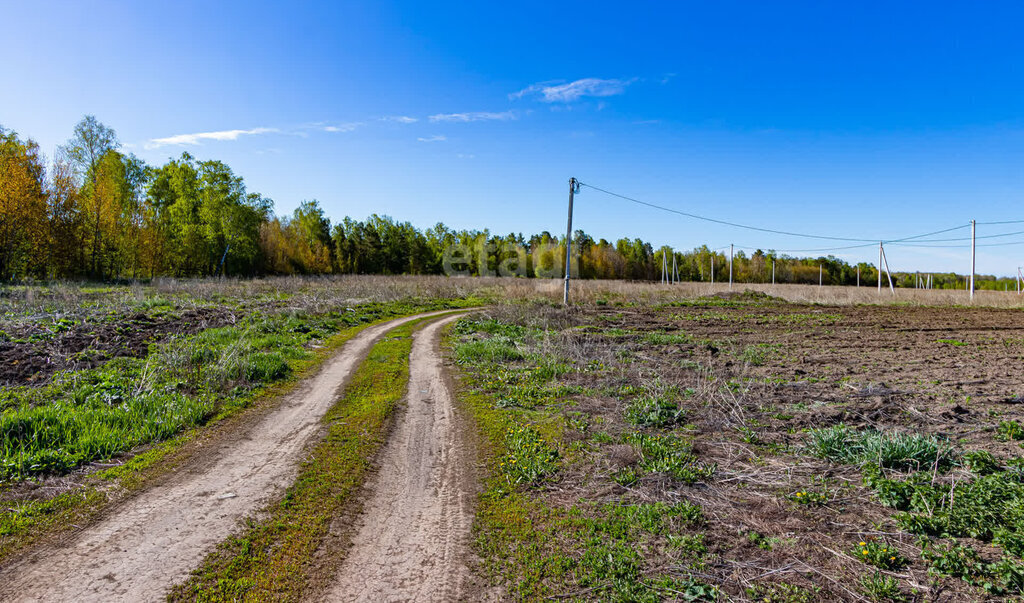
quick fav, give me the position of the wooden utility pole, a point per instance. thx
(574, 187)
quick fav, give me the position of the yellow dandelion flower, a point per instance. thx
(863, 544)
(865, 551)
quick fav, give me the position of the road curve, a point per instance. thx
(153, 541)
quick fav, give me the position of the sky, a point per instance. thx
(864, 121)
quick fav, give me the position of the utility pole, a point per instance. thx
(879, 266)
(819, 275)
(730, 265)
(973, 225)
(574, 187)
(773, 272)
(712, 268)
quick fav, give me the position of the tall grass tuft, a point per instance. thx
(892, 450)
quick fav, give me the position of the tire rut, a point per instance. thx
(412, 541)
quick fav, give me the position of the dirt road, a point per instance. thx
(152, 541)
(412, 542)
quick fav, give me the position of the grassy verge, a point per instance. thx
(302, 342)
(273, 558)
(533, 546)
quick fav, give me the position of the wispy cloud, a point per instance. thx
(401, 119)
(562, 92)
(473, 116)
(347, 127)
(437, 138)
(197, 138)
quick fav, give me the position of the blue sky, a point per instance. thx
(866, 120)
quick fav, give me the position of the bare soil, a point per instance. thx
(36, 353)
(412, 542)
(153, 540)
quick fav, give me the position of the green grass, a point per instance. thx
(586, 551)
(891, 450)
(879, 587)
(270, 558)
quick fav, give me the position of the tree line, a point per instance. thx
(96, 212)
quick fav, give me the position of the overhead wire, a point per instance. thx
(768, 230)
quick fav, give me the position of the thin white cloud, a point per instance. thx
(437, 138)
(348, 127)
(473, 116)
(401, 119)
(195, 139)
(560, 92)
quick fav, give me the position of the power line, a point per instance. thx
(994, 236)
(1003, 222)
(758, 228)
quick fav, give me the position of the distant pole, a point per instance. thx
(712, 268)
(858, 275)
(574, 187)
(675, 269)
(773, 272)
(819, 274)
(879, 266)
(973, 265)
(730, 265)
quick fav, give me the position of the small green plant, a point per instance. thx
(809, 498)
(758, 354)
(761, 541)
(879, 587)
(655, 407)
(671, 455)
(1010, 431)
(879, 554)
(529, 458)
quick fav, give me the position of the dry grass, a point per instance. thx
(319, 293)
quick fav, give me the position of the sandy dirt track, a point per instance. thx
(412, 541)
(152, 541)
